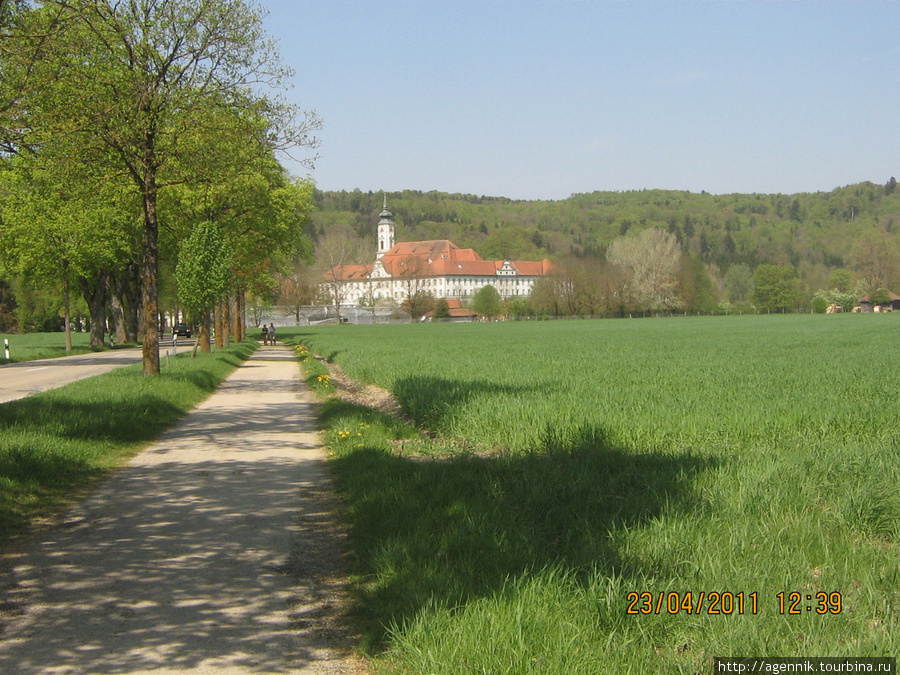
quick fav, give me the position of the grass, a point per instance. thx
(577, 462)
(55, 444)
(34, 346)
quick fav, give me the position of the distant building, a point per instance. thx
(440, 268)
(892, 305)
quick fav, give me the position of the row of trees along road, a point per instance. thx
(124, 126)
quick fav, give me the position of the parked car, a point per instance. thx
(182, 330)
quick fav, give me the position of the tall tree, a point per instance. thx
(132, 79)
(652, 261)
(487, 302)
(203, 275)
(415, 278)
(334, 252)
(64, 233)
(876, 259)
(775, 288)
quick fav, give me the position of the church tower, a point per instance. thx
(385, 231)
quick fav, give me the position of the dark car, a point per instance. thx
(182, 329)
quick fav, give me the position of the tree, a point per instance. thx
(203, 275)
(441, 309)
(545, 295)
(876, 260)
(487, 302)
(775, 288)
(841, 280)
(262, 215)
(334, 252)
(7, 308)
(64, 232)
(880, 297)
(652, 261)
(739, 283)
(298, 288)
(139, 77)
(695, 285)
(414, 277)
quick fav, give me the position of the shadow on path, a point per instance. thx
(215, 550)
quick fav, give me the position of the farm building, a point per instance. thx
(439, 268)
(456, 311)
(868, 305)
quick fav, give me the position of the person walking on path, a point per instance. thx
(265, 335)
(214, 550)
(272, 333)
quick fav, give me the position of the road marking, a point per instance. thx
(31, 370)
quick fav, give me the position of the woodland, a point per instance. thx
(825, 247)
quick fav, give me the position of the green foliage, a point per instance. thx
(841, 280)
(881, 297)
(418, 304)
(157, 94)
(441, 309)
(8, 305)
(518, 308)
(739, 283)
(775, 288)
(203, 268)
(487, 302)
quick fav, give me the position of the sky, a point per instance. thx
(542, 99)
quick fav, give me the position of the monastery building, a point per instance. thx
(440, 268)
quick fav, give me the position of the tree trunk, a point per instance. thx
(117, 312)
(226, 323)
(130, 292)
(219, 329)
(68, 322)
(150, 270)
(95, 295)
(205, 322)
(238, 317)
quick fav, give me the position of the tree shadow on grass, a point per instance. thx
(431, 401)
(133, 419)
(449, 530)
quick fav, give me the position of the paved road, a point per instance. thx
(214, 550)
(18, 380)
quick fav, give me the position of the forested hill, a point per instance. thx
(813, 232)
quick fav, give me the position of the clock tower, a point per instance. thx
(385, 231)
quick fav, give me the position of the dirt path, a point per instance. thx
(215, 550)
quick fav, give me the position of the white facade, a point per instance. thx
(438, 268)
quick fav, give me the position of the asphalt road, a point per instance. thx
(18, 380)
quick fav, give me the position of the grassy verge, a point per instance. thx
(34, 346)
(55, 444)
(748, 457)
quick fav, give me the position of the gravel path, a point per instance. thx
(216, 550)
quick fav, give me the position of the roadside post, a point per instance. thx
(6, 348)
(174, 344)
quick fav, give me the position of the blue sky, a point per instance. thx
(540, 99)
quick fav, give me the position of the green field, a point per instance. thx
(32, 346)
(576, 462)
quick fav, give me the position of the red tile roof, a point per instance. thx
(348, 272)
(437, 259)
